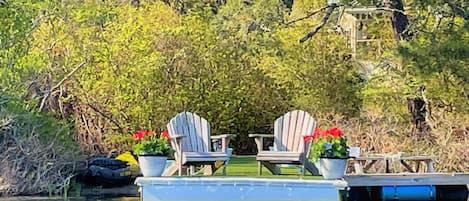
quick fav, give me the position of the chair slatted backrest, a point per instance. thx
(195, 129)
(290, 129)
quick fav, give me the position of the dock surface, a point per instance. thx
(407, 179)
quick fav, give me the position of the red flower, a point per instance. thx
(149, 132)
(307, 138)
(139, 135)
(335, 132)
(165, 134)
(317, 133)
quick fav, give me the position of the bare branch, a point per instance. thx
(320, 25)
(121, 130)
(391, 10)
(308, 15)
(70, 74)
(457, 10)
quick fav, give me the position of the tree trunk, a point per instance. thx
(418, 109)
(399, 19)
(418, 105)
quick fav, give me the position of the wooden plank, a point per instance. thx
(285, 130)
(291, 135)
(261, 135)
(278, 130)
(172, 132)
(298, 140)
(415, 158)
(204, 159)
(192, 135)
(307, 121)
(366, 158)
(309, 131)
(180, 128)
(278, 158)
(279, 153)
(205, 130)
(205, 154)
(407, 179)
(201, 145)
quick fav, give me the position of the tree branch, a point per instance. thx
(391, 10)
(458, 10)
(121, 130)
(308, 15)
(320, 25)
(49, 92)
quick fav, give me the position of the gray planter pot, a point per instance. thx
(332, 168)
(152, 166)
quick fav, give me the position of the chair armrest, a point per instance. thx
(176, 143)
(261, 135)
(225, 140)
(217, 137)
(259, 139)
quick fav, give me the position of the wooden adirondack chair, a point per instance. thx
(289, 145)
(191, 140)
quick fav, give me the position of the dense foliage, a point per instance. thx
(37, 152)
(113, 67)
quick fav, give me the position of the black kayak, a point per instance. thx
(106, 172)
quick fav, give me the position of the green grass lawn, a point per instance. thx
(246, 166)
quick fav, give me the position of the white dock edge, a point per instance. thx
(236, 189)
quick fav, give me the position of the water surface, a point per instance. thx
(39, 198)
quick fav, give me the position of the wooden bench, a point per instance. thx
(410, 163)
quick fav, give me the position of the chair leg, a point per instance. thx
(171, 169)
(302, 169)
(311, 168)
(224, 169)
(179, 168)
(192, 170)
(259, 170)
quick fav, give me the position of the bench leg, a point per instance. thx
(358, 167)
(430, 167)
(417, 166)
